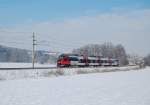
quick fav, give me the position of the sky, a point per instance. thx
(61, 25)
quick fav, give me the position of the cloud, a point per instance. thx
(128, 28)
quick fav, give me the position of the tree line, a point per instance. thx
(110, 50)
(104, 50)
(147, 60)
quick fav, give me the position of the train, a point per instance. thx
(75, 60)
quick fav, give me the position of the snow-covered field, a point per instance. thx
(34, 73)
(18, 74)
(113, 88)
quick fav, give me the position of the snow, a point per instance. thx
(17, 74)
(34, 73)
(113, 88)
(19, 65)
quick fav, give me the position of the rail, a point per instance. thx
(27, 68)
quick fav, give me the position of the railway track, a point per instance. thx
(27, 68)
(42, 68)
(31, 68)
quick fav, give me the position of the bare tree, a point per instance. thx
(104, 50)
(147, 60)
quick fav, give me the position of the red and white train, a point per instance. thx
(70, 60)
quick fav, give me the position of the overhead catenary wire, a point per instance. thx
(12, 42)
(54, 42)
(58, 46)
(52, 37)
(5, 31)
(56, 38)
(51, 42)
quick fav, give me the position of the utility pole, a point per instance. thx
(33, 50)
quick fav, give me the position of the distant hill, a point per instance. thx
(9, 54)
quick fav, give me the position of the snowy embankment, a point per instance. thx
(34, 73)
(113, 88)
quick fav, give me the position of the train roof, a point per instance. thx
(69, 54)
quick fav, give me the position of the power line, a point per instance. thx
(52, 42)
(59, 43)
(4, 31)
(55, 45)
(13, 42)
(52, 39)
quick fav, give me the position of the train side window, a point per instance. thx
(91, 61)
(81, 61)
(94, 61)
(112, 61)
(73, 58)
(101, 61)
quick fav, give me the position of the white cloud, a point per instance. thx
(130, 29)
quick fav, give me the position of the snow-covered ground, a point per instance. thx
(19, 65)
(113, 88)
(17, 74)
(34, 73)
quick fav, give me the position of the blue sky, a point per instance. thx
(14, 12)
(68, 24)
